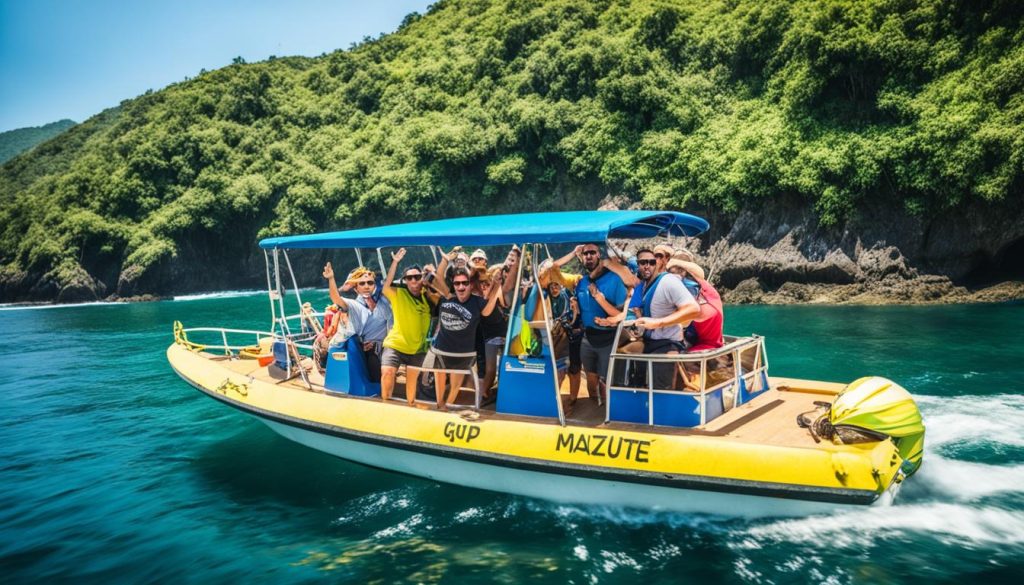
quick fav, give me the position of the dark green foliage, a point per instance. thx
(14, 142)
(483, 106)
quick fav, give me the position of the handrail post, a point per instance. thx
(703, 391)
(650, 392)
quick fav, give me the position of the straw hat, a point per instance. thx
(684, 254)
(478, 253)
(689, 267)
(664, 249)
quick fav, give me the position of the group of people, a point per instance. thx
(447, 318)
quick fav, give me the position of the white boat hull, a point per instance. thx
(555, 487)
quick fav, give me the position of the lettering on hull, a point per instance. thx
(460, 432)
(608, 446)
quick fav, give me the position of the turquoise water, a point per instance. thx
(113, 469)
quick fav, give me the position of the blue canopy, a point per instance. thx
(536, 228)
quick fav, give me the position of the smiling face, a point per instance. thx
(365, 286)
(460, 284)
(591, 256)
(647, 265)
(413, 279)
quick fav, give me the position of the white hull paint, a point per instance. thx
(556, 487)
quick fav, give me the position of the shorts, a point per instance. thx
(493, 349)
(392, 358)
(439, 361)
(664, 373)
(595, 359)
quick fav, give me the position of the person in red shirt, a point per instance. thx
(708, 326)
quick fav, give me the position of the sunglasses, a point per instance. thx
(365, 283)
(646, 262)
(589, 252)
(478, 260)
(660, 256)
(460, 283)
(412, 277)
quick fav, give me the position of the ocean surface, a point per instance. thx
(112, 469)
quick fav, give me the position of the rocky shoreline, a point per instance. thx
(776, 254)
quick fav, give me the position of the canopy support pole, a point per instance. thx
(295, 284)
(359, 257)
(270, 291)
(547, 331)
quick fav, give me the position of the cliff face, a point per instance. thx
(779, 253)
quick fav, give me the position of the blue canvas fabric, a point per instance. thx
(536, 228)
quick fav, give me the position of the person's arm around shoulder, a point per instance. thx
(617, 315)
(686, 307)
(606, 305)
(629, 279)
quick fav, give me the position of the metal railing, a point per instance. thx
(749, 364)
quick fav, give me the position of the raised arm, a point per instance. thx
(575, 253)
(492, 299)
(336, 297)
(389, 288)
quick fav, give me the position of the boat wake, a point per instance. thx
(978, 418)
(951, 524)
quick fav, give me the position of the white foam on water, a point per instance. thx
(965, 480)
(219, 295)
(987, 419)
(22, 307)
(403, 528)
(951, 524)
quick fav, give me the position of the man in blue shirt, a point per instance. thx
(600, 293)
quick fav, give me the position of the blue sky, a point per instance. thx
(75, 58)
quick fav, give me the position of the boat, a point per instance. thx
(742, 443)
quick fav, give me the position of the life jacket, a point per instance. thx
(649, 294)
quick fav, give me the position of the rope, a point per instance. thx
(227, 384)
(181, 338)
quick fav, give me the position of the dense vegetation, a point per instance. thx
(15, 142)
(482, 105)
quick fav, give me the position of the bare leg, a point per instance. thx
(490, 373)
(456, 386)
(440, 379)
(593, 385)
(411, 377)
(387, 382)
(574, 386)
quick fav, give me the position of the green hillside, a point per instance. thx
(485, 106)
(15, 142)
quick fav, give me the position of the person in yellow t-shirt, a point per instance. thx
(406, 343)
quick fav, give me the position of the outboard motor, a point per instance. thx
(872, 409)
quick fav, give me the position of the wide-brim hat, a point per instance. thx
(690, 267)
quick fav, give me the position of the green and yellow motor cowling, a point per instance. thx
(879, 406)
